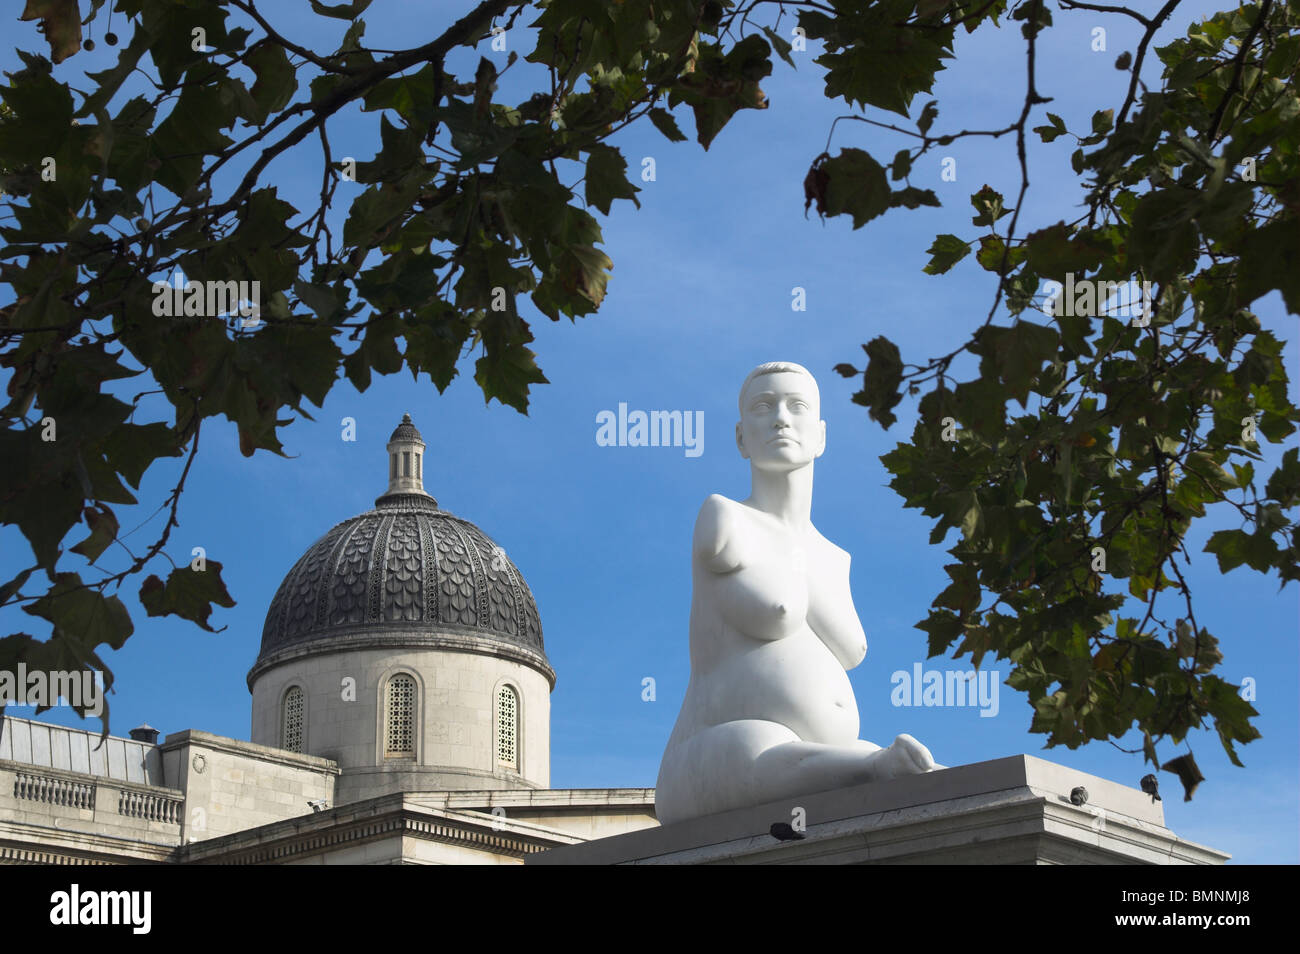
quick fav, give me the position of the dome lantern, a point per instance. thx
(406, 461)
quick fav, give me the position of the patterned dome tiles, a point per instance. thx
(404, 565)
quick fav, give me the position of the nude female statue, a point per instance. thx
(769, 712)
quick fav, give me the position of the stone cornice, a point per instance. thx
(25, 855)
(456, 639)
(433, 768)
(372, 820)
(18, 840)
(250, 750)
(549, 799)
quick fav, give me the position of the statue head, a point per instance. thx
(780, 425)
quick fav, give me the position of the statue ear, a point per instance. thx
(821, 444)
(740, 443)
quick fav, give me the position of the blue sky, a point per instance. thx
(701, 292)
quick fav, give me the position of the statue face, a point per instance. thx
(780, 422)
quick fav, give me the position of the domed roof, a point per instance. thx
(405, 431)
(404, 573)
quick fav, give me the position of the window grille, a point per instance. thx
(399, 733)
(507, 728)
(292, 732)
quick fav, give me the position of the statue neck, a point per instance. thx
(786, 496)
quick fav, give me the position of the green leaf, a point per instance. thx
(856, 185)
(132, 448)
(928, 115)
(1270, 258)
(61, 24)
(991, 253)
(946, 252)
(913, 198)
(930, 8)
(1284, 483)
(873, 59)
(880, 388)
(972, 522)
(1163, 240)
(988, 204)
(943, 628)
(1149, 748)
(103, 531)
(508, 367)
(723, 83)
(435, 338)
(1049, 133)
(666, 124)
(1059, 249)
(1235, 547)
(607, 178)
(16, 584)
(341, 11)
(1244, 474)
(191, 131)
(901, 166)
(779, 43)
(276, 80)
(1017, 353)
(83, 615)
(44, 504)
(319, 298)
(188, 593)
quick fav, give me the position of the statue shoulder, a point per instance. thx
(837, 556)
(715, 531)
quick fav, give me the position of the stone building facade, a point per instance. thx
(400, 713)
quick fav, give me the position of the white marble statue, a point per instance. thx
(769, 712)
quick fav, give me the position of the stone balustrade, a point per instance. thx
(73, 802)
(39, 787)
(150, 806)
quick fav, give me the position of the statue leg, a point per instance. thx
(799, 767)
(751, 761)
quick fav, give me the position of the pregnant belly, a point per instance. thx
(795, 681)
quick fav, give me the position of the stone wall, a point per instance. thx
(455, 744)
(1015, 810)
(587, 813)
(231, 786)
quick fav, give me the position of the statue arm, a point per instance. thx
(714, 544)
(833, 617)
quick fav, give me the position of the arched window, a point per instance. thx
(399, 717)
(291, 720)
(508, 728)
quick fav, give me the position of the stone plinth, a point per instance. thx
(1013, 810)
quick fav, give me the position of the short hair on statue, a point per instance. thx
(777, 367)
